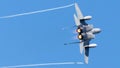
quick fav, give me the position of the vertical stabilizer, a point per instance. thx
(78, 11)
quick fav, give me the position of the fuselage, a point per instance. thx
(86, 32)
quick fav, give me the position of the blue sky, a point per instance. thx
(39, 38)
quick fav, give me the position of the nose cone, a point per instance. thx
(96, 30)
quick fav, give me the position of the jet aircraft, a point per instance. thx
(85, 31)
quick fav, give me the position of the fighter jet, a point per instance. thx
(85, 31)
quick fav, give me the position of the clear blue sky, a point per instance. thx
(39, 38)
